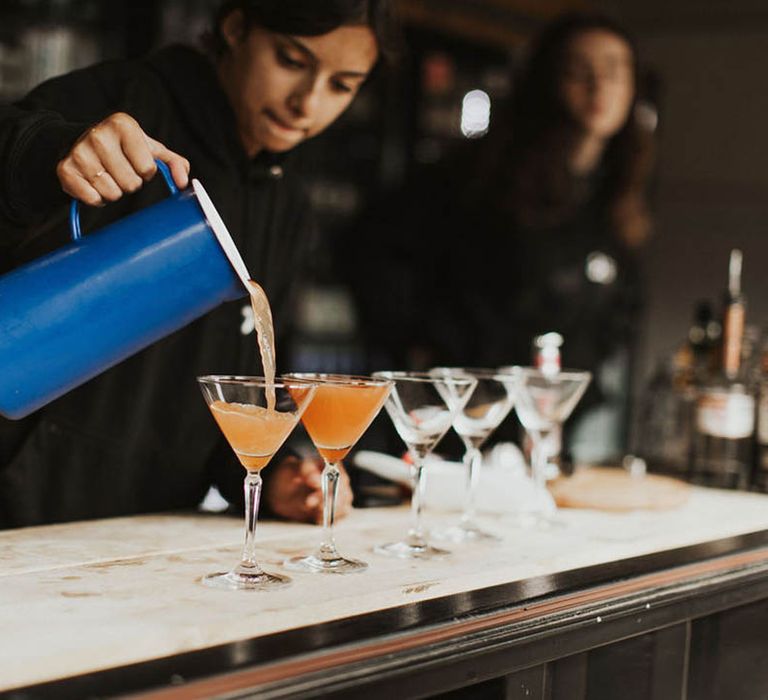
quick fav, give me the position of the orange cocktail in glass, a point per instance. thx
(342, 409)
(253, 432)
(255, 416)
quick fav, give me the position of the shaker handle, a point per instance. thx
(74, 208)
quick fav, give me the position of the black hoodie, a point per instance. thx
(139, 438)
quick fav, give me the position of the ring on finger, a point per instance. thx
(98, 175)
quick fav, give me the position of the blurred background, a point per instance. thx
(702, 81)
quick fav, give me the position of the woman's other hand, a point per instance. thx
(115, 157)
(294, 491)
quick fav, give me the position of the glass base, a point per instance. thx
(315, 564)
(240, 580)
(539, 521)
(466, 532)
(406, 550)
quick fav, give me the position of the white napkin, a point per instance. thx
(504, 485)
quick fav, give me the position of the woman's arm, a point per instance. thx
(31, 143)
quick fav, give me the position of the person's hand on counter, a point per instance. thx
(294, 490)
(113, 158)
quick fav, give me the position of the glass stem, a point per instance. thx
(472, 459)
(252, 495)
(416, 536)
(539, 460)
(330, 484)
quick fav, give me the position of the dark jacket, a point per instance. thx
(139, 437)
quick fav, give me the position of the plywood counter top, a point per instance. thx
(79, 599)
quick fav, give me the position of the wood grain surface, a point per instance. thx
(90, 596)
(614, 489)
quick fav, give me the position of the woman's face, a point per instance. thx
(597, 84)
(286, 89)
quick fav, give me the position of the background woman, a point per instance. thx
(537, 227)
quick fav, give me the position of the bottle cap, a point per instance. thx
(547, 352)
(734, 273)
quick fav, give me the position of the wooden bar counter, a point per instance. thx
(668, 604)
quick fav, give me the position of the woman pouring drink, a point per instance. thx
(274, 73)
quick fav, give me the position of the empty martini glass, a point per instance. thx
(422, 408)
(255, 422)
(341, 411)
(544, 401)
(488, 405)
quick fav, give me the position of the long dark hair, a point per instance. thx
(309, 18)
(528, 156)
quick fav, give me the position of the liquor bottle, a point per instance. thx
(664, 422)
(760, 472)
(703, 343)
(667, 407)
(547, 359)
(725, 404)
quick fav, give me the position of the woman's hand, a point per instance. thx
(113, 158)
(294, 491)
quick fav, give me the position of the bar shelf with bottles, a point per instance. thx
(704, 415)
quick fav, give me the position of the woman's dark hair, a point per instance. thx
(309, 18)
(529, 158)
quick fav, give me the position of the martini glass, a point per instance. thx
(341, 411)
(255, 422)
(488, 405)
(422, 408)
(544, 401)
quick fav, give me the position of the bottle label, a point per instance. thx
(726, 415)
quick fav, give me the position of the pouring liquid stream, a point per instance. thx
(265, 333)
